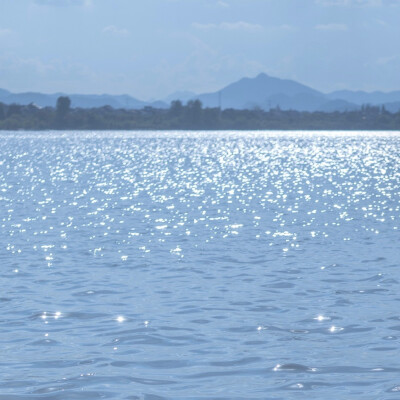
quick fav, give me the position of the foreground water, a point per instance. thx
(199, 266)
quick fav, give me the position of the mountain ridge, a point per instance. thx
(262, 91)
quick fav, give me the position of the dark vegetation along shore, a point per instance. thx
(190, 116)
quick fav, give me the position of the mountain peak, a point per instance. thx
(262, 75)
(264, 91)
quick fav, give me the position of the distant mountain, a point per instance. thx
(263, 92)
(267, 92)
(360, 98)
(42, 100)
(78, 100)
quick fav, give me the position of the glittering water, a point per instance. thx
(199, 266)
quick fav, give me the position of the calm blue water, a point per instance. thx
(199, 266)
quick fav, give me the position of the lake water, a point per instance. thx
(171, 265)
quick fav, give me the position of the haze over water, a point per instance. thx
(225, 265)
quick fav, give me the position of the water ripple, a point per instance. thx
(159, 266)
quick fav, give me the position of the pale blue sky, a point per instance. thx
(151, 48)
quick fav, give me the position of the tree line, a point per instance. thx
(191, 116)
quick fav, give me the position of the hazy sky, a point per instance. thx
(151, 48)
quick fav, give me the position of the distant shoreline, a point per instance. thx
(192, 116)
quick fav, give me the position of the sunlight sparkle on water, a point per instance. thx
(321, 318)
(282, 263)
(335, 329)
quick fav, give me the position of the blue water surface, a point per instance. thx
(221, 265)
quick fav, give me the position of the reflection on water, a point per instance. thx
(199, 265)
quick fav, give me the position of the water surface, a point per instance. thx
(156, 265)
